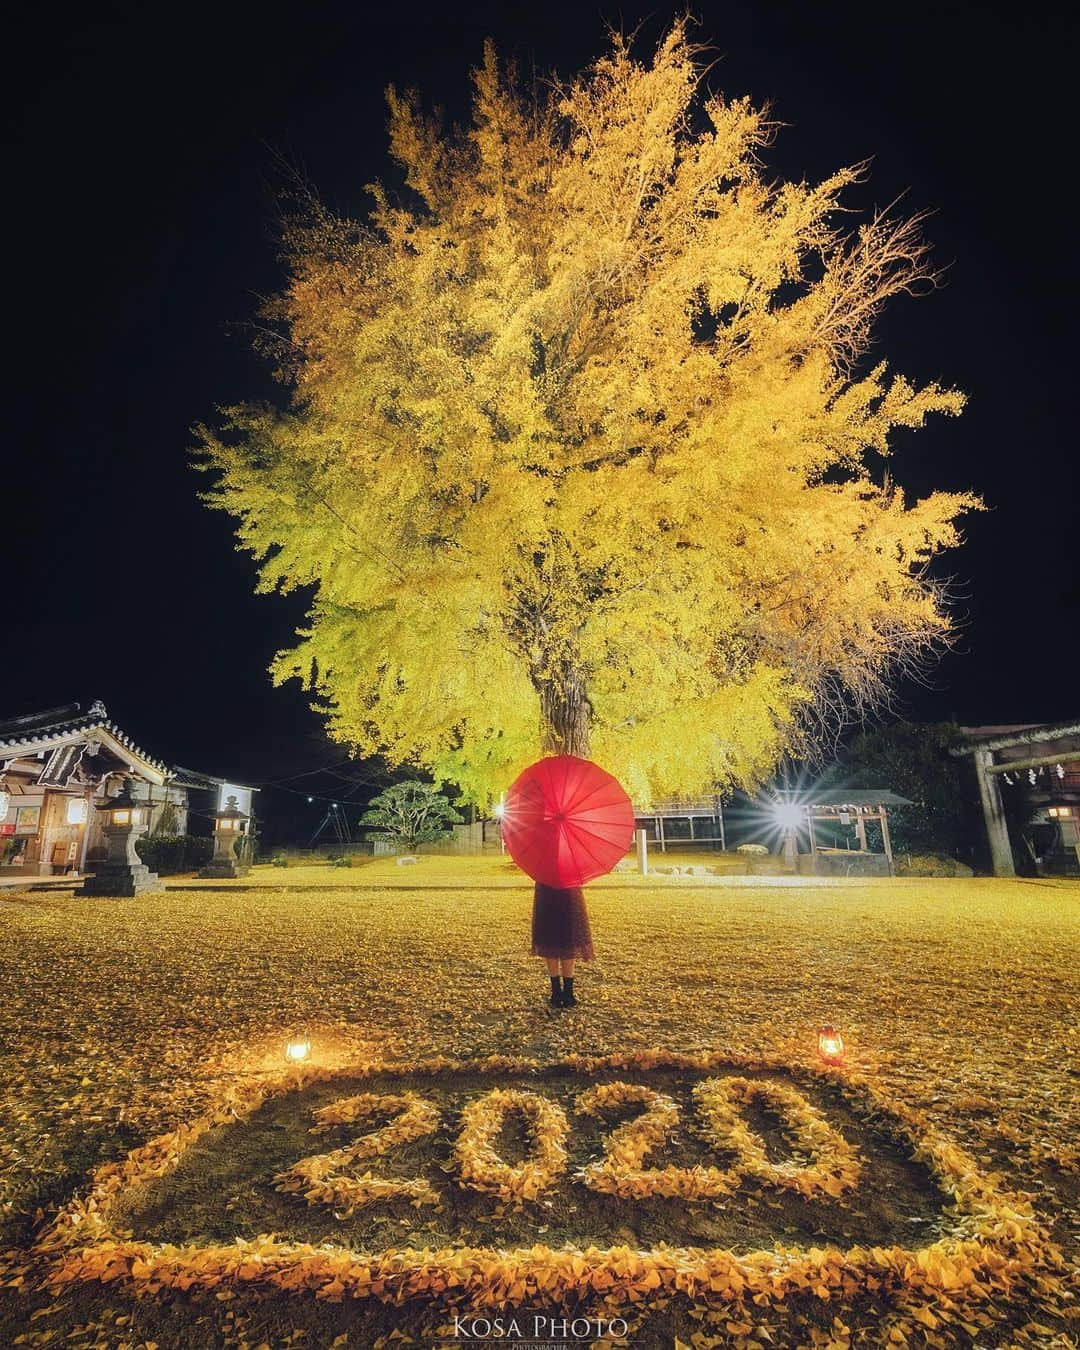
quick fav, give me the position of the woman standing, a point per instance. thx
(560, 934)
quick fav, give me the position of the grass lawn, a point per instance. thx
(121, 1020)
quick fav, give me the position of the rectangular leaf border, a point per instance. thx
(995, 1240)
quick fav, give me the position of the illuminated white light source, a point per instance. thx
(788, 815)
(76, 811)
(5, 797)
(830, 1044)
(298, 1049)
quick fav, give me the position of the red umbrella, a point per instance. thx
(567, 821)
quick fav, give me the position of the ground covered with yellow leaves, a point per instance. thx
(669, 1153)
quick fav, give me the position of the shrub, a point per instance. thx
(279, 860)
(169, 854)
(930, 865)
(340, 860)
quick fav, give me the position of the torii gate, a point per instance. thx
(987, 769)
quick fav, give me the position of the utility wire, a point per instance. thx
(312, 796)
(306, 773)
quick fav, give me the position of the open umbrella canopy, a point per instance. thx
(567, 821)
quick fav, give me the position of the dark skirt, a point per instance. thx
(560, 924)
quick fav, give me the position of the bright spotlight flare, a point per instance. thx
(788, 814)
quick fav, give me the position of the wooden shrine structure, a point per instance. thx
(672, 822)
(845, 806)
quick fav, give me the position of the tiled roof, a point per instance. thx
(31, 721)
(1005, 738)
(856, 797)
(37, 731)
(1008, 729)
(195, 778)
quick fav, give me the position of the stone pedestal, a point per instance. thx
(121, 880)
(121, 874)
(224, 863)
(791, 850)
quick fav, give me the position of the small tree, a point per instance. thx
(411, 813)
(168, 821)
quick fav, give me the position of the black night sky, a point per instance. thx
(140, 172)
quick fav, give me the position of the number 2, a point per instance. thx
(321, 1179)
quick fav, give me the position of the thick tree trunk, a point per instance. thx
(564, 715)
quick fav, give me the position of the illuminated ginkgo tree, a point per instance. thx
(582, 453)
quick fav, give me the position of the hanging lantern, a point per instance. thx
(1059, 769)
(76, 811)
(5, 797)
(830, 1044)
(298, 1049)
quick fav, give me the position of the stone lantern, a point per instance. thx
(122, 873)
(229, 825)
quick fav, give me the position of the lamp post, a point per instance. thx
(500, 812)
(229, 825)
(122, 873)
(789, 816)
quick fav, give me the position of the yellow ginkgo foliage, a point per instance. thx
(581, 453)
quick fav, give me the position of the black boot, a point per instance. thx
(568, 999)
(556, 999)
